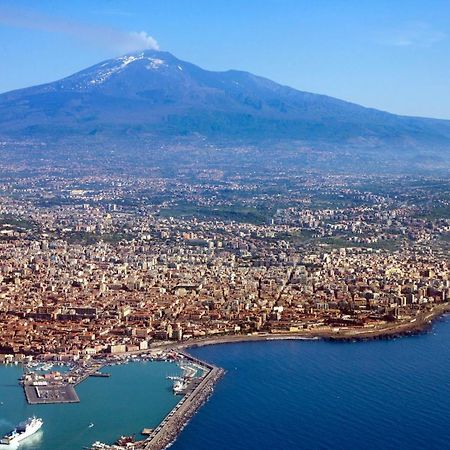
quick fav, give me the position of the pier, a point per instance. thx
(39, 391)
(51, 393)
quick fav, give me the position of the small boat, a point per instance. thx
(125, 440)
(91, 425)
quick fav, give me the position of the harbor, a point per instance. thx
(191, 383)
(136, 395)
(56, 387)
(195, 389)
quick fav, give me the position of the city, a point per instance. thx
(224, 225)
(123, 263)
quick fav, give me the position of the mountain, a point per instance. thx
(152, 96)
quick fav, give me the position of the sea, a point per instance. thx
(138, 395)
(291, 395)
(294, 394)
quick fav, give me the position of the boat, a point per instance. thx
(179, 386)
(22, 431)
(125, 440)
(188, 371)
(91, 425)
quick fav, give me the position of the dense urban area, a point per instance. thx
(98, 263)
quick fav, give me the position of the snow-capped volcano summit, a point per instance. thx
(109, 69)
(129, 66)
(153, 93)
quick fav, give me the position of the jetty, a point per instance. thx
(196, 395)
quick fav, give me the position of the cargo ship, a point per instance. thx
(22, 431)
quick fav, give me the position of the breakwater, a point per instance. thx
(175, 421)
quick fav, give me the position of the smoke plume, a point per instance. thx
(100, 36)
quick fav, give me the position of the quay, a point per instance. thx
(39, 391)
(51, 393)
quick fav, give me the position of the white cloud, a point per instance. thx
(413, 34)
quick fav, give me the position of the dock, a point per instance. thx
(51, 393)
(45, 392)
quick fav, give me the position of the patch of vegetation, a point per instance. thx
(17, 222)
(340, 242)
(297, 237)
(85, 238)
(446, 237)
(226, 213)
(439, 212)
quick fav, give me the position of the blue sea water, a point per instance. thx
(385, 394)
(136, 396)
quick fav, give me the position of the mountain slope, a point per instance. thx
(153, 94)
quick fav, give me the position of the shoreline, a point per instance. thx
(176, 419)
(417, 326)
(405, 328)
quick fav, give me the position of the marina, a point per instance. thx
(195, 390)
(55, 387)
(142, 398)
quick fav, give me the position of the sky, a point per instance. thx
(392, 55)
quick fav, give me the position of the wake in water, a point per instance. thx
(6, 423)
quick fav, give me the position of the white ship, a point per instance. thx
(179, 386)
(22, 431)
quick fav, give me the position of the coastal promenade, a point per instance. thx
(399, 328)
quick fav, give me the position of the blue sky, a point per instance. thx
(388, 54)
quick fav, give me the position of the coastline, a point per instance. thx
(175, 421)
(170, 433)
(405, 328)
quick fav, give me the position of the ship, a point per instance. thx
(179, 386)
(22, 431)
